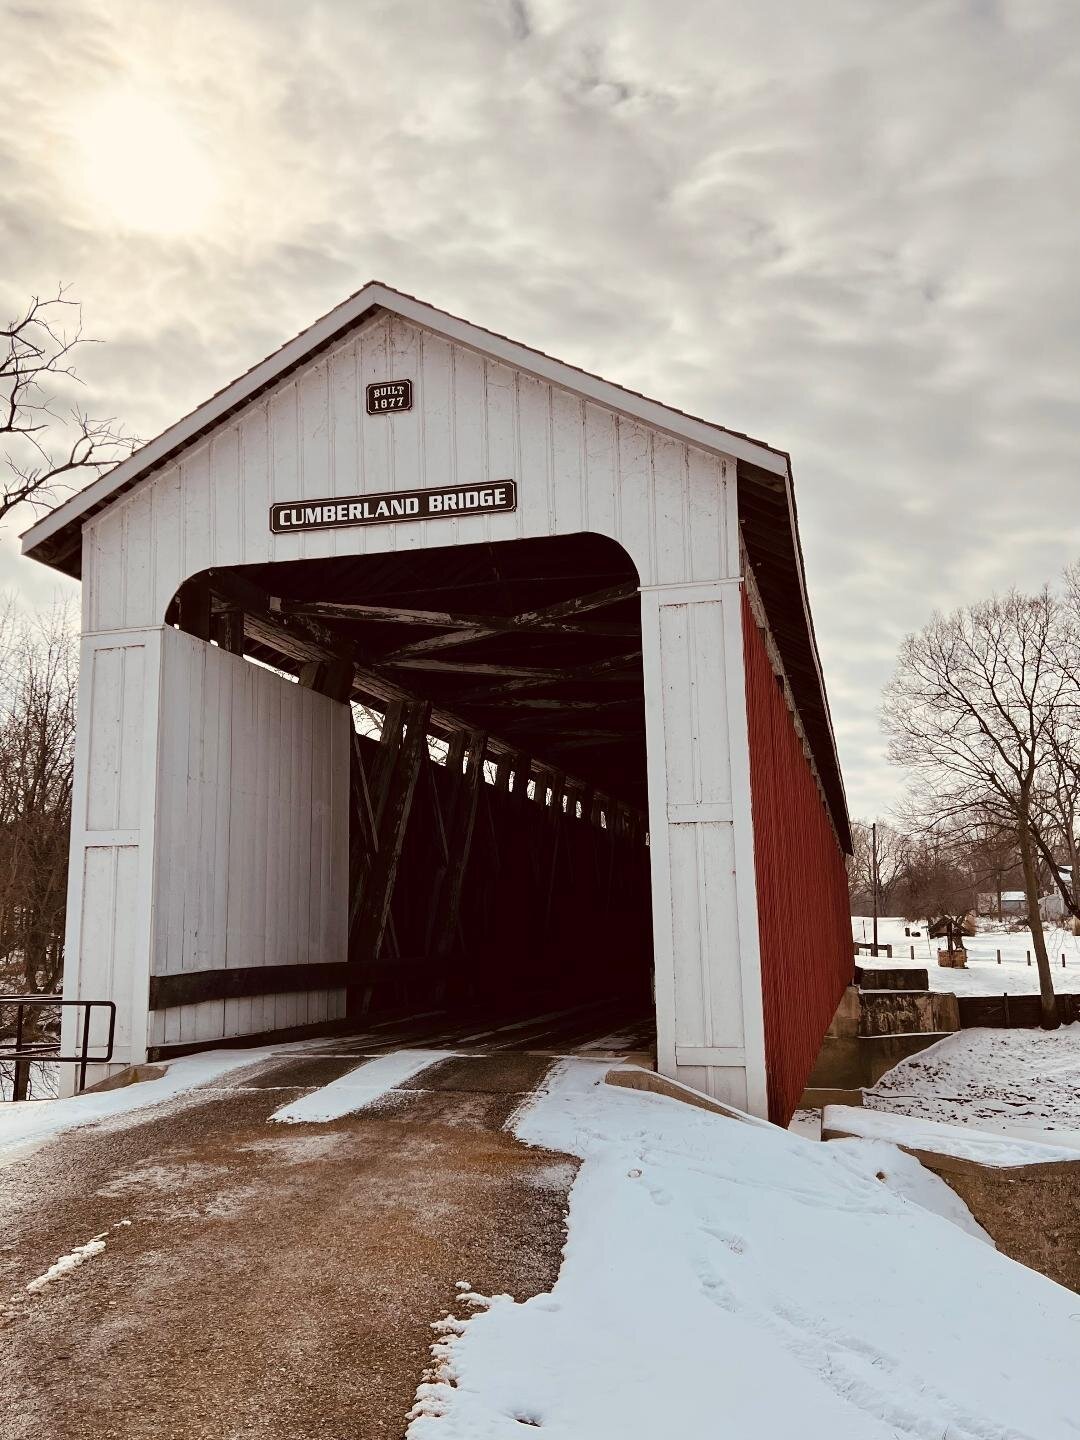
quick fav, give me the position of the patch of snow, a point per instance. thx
(67, 1263)
(28, 1123)
(729, 1279)
(903, 1175)
(1024, 1083)
(983, 975)
(962, 1142)
(360, 1087)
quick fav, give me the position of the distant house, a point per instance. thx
(1052, 907)
(1013, 902)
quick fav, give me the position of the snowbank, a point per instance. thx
(723, 1279)
(962, 1142)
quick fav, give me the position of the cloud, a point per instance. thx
(850, 228)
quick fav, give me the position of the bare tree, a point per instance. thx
(939, 888)
(892, 853)
(38, 677)
(976, 700)
(47, 447)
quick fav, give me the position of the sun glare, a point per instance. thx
(142, 166)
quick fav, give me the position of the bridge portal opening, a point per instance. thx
(498, 860)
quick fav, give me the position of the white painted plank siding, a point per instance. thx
(578, 466)
(252, 834)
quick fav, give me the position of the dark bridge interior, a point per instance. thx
(498, 841)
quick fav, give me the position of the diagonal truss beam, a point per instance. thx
(547, 618)
(599, 670)
(449, 620)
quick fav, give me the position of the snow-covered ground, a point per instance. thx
(734, 1279)
(983, 975)
(1015, 1082)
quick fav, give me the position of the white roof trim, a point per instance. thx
(350, 312)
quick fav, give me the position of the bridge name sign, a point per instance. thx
(385, 509)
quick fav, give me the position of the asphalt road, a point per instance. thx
(268, 1280)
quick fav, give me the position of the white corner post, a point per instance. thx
(707, 968)
(110, 876)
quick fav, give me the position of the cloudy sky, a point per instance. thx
(850, 227)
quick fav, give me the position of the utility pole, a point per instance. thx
(874, 879)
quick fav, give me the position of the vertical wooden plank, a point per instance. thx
(344, 432)
(338, 890)
(229, 519)
(660, 834)
(500, 390)
(103, 775)
(437, 422)
(600, 471)
(98, 918)
(634, 480)
(670, 520)
(313, 388)
(167, 539)
(109, 555)
(254, 459)
(534, 493)
(708, 518)
(275, 903)
(710, 701)
(262, 840)
(678, 680)
(374, 356)
(405, 429)
(284, 460)
(568, 461)
(132, 721)
(138, 560)
(470, 438)
(190, 807)
(196, 504)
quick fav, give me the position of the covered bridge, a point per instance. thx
(594, 759)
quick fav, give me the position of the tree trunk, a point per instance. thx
(1074, 866)
(1048, 1000)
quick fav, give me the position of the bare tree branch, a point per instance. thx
(46, 448)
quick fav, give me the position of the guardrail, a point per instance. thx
(31, 1044)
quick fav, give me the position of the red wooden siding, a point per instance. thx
(802, 891)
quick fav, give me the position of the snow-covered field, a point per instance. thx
(983, 975)
(733, 1279)
(1015, 1082)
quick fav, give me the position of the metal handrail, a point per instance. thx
(25, 1053)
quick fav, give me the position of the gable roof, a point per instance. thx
(54, 539)
(766, 496)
